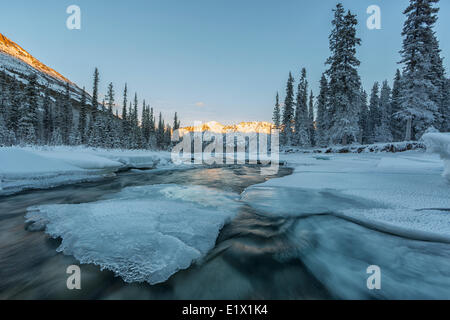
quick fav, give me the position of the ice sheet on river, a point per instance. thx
(46, 167)
(143, 233)
(399, 193)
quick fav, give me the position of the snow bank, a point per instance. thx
(20, 170)
(399, 193)
(45, 167)
(142, 233)
(440, 143)
(391, 147)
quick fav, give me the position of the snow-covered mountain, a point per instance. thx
(18, 62)
(243, 127)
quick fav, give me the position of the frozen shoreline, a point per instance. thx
(399, 193)
(47, 167)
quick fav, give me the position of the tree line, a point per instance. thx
(35, 114)
(343, 113)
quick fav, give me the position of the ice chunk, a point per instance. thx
(338, 254)
(399, 193)
(143, 233)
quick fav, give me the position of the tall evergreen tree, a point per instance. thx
(152, 122)
(374, 112)
(322, 122)
(344, 84)
(277, 113)
(364, 119)
(420, 86)
(95, 95)
(28, 121)
(47, 121)
(446, 107)
(160, 132)
(15, 106)
(383, 129)
(397, 125)
(312, 131)
(3, 96)
(124, 105)
(110, 101)
(176, 122)
(67, 116)
(83, 117)
(301, 128)
(288, 112)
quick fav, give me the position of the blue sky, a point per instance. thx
(218, 60)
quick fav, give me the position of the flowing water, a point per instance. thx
(256, 256)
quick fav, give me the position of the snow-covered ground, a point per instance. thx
(45, 167)
(402, 193)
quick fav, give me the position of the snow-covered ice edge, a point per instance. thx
(25, 168)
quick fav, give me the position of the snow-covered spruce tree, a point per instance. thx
(110, 101)
(397, 125)
(125, 132)
(152, 143)
(130, 125)
(136, 140)
(3, 95)
(95, 95)
(110, 134)
(344, 83)
(176, 122)
(383, 129)
(301, 135)
(322, 122)
(167, 137)
(145, 124)
(276, 118)
(28, 117)
(152, 122)
(7, 137)
(312, 131)
(160, 132)
(422, 71)
(446, 107)
(438, 78)
(374, 119)
(364, 134)
(15, 98)
(47, 118)
(97, 136)
(288, 113)
(67, 112)
(82, 120)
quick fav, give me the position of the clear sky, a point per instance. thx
(218, 60)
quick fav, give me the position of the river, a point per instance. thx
(255, 257)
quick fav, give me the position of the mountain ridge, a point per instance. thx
(242, 127)
(11, 48)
